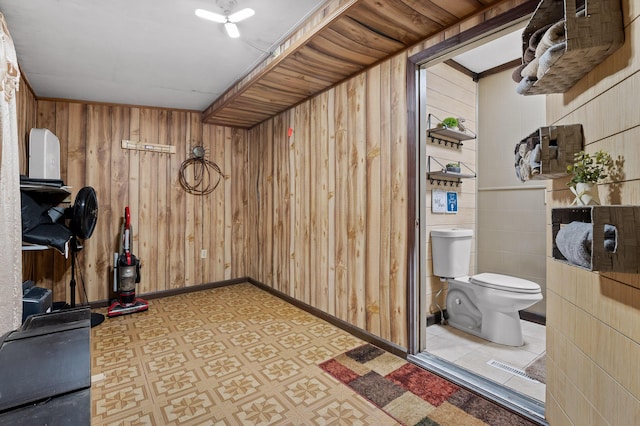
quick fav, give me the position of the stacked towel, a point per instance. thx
(545, 46)
(553, 35)
(528, 155)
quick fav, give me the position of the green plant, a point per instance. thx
(588, 168)
(450, 122)
(457, 164)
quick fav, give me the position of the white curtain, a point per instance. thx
(10, 219)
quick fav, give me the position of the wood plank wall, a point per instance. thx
(331, 201)
(450, 93)
(170, 226)
(321, 215)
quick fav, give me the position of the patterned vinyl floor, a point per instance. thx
(238, 355)
(229, 356)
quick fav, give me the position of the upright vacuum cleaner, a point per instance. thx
(126, 275)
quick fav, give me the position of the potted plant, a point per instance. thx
(453, 167)
(586, 171)
(449, 123)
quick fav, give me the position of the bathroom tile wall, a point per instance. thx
(593, 319)
(511, 214)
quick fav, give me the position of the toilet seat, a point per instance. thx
(505, 283)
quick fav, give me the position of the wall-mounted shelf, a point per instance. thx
(546, 153)
(612, 245)
(588, 39)
(440, 176)
(444, 135)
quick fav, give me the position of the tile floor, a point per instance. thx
(473, 353)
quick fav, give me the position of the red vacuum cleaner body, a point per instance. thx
(126, 275)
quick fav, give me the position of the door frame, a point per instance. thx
(416, 122)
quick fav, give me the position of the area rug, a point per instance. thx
(537, 369)
(412, 395)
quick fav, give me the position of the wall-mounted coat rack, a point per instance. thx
(446, 135)
(441, 176)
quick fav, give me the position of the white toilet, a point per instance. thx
(486, 304)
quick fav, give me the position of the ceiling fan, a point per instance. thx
(228, 19)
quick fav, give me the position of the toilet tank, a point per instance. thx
(451, 252)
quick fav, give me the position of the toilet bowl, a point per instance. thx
(485, 305)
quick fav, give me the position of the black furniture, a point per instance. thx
(45, 370)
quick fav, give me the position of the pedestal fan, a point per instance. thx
(83, 217)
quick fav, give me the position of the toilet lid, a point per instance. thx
(505, 282)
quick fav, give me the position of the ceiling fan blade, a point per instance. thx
(205, 14)
(232, 30)
(241, 14)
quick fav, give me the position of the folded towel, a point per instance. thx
(515, 75)
(554, 35)
(525, 167)
(531, 69)
(575, 240)
(528, 55)
(549, 58)
(524, 85)
(518, 175)
(534, 159)
(536, 36)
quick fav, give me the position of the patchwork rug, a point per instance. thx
(412, 395)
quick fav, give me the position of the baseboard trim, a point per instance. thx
(524, 315)
(177, 291)
(436, 318)
(533, 317)
(341, 324)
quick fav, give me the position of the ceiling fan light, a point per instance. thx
(205, 14)
(241, 14)
(232, 30)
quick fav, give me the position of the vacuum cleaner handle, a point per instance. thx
(127, 235)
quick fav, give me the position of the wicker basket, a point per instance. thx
(590, 39)
(558, 145)
(626, 219)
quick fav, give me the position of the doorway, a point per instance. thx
(443, 90)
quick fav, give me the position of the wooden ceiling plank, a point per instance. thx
(295, 75)
(323, 61)
(294, 47)
(357, 34)
(287, 86)
(345, 41)
(395, 20)
(323, 45)
(436, 13)
(353, 36)
(460, 8)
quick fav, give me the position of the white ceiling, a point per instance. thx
(143, 52)
(157, 52)
(494, 53)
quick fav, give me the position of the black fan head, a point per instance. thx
(84, 214)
